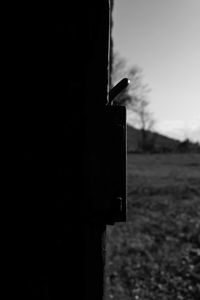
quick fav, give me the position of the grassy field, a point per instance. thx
(155, 255)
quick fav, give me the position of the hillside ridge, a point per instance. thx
(157, 142)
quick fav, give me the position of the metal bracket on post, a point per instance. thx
(106, 170)
(118, 155)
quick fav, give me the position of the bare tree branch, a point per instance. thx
(135, 97)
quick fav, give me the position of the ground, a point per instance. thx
(156, 253)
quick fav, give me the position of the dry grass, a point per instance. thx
(156, 254)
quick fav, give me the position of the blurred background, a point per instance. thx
(162, 38)
(155, 254)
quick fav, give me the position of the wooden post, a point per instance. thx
(61, 55)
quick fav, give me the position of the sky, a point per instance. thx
(163, 38)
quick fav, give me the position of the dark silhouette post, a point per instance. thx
(66, 144)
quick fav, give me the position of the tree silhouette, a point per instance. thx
(135, 97)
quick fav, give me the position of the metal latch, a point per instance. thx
(106, 163)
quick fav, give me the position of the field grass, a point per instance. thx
(155, 255)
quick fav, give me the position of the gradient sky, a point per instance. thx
(163, 38)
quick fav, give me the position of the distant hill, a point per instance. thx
(160, 142)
